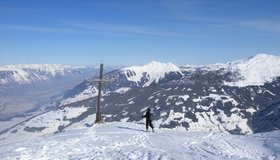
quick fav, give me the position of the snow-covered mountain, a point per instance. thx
(125, 79)
(254, 71)
(151, 73)
(192, 98)
(26, 74)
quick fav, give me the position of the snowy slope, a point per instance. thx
(129, 141)
(89, 92)
(47, 123)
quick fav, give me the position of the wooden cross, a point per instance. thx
(100, 81)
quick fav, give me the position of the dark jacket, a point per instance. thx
(148, 115)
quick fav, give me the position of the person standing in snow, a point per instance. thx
(148, 116)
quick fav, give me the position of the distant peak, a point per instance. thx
(154, 62)
(260, 59)
(39, 66)
(155, 71)
(155, 66)
(257, 70)
(261, 56)
(159, 64)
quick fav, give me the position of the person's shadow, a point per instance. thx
(131, 129)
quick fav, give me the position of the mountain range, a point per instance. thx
(28, 90)
(240, 97)
(27, 74)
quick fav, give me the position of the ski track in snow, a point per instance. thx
(121, 140)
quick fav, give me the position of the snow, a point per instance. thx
(48, 68)
(202, 107)
(217, 97)
(185, 97)
(233, 121)
(131, 102)
(157, 100)
(21, 76)
(256, 70)
(89, 92)
(179, 97)
(179, 103)
(150, 97)
(74, 112)
(223, 98)
(27, 73)
(168, 89)
(190, 68)
(122, 90)
(251, 110)
(51, 121)
(173, 115)
(212, 89)
(268, 91)
(154, 70)
(196, 100)
(131, 99)
(122, 140)
(208, 120)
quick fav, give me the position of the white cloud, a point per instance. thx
(38, 29)
(269, 26)
(95, 28)
(120, 29)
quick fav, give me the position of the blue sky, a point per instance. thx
(130, 32)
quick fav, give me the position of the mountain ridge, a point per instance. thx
(193, 99)
(28, 73)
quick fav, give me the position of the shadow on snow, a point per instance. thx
(131, 129)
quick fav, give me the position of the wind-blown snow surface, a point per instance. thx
(120, 140)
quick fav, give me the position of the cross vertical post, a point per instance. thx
(98, 108)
